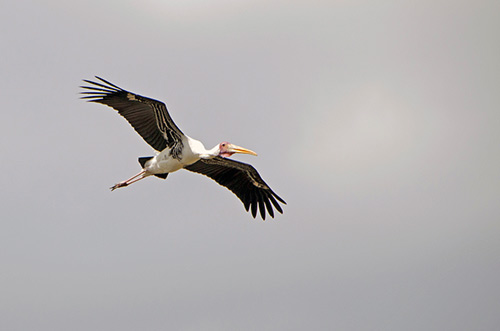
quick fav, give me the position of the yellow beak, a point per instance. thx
(237, 149)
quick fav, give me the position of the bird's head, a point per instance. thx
(227, 149)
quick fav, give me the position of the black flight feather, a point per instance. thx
(147, 116)
(243, 180)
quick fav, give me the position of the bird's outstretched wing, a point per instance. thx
(147, 116)
(243, 180)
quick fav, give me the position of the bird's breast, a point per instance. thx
(164, 162)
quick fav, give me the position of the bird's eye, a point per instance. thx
(223, 145)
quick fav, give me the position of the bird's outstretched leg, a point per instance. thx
(129, 181)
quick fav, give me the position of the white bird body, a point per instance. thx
(163, 162)
(176, 151)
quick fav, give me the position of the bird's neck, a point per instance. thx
(210, 153)
(200, 151)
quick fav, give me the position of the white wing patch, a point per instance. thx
(256, 183)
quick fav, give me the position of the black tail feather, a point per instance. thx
(144, 159)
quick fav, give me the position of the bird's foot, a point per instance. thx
(121, 184)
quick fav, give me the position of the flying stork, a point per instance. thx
(176, 150)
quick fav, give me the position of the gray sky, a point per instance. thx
(377, 121)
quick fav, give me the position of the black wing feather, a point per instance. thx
(147, 116)
(243, 180)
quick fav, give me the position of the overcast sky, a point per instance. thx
(377, 121)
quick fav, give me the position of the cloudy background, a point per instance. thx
(377, 121)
